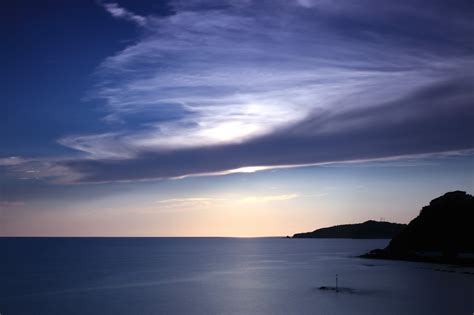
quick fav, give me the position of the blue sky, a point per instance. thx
(119, 116)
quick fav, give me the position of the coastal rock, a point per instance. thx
(440, 233)
(367, 230)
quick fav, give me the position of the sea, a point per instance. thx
(221, 276)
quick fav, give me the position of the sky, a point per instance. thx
(231, 118)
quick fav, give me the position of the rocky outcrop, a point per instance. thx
(442, 232)
(367, 230)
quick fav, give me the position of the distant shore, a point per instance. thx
(367, 230)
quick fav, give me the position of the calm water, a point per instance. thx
(220, 276)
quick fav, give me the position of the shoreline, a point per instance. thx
(383, 254)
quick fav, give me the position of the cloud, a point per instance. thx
(242, 199)
(223, 86)
(120, 13)
(269, 198)
(11, 161)
(38, 169)
(437, 118)
(190, 199)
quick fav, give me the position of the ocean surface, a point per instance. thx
(221, 276)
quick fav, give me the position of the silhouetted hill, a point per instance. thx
(441, 231)
(369, 229)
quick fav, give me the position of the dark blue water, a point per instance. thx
(220, 276)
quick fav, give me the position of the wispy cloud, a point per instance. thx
(12, 161)
(121, 13)
(189, 62)
(189, 199)
(38, 169)
(269, 198)
(234, 199)
(219, 87)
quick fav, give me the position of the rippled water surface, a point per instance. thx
(220, 276)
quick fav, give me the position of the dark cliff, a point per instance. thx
(445, 225)
(441, 231)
